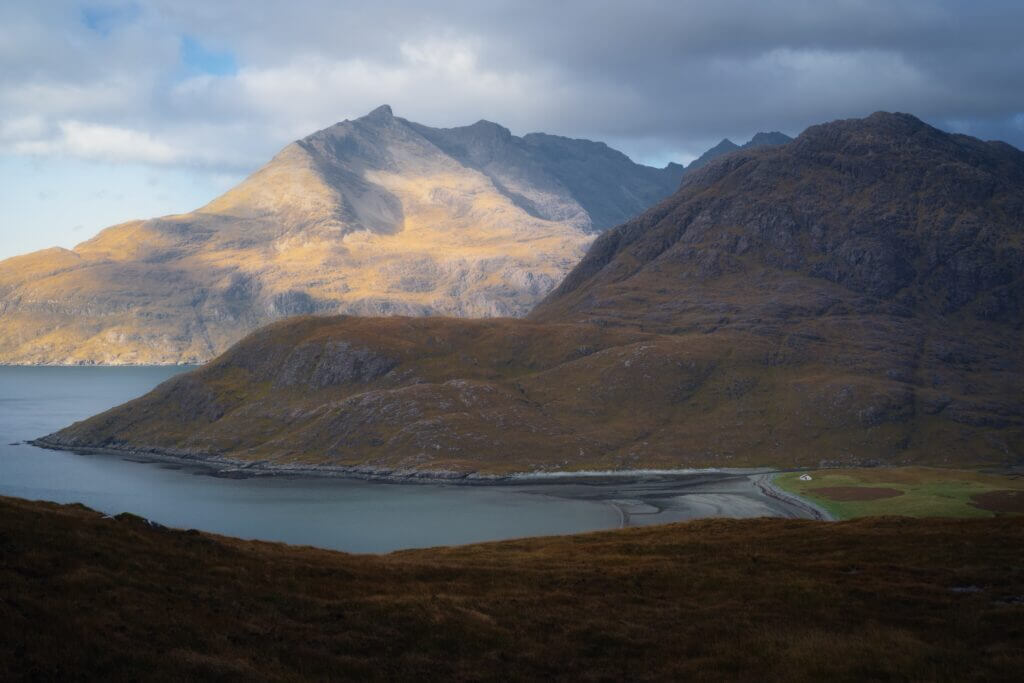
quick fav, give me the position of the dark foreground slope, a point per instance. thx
(854, 297)
(82, 596)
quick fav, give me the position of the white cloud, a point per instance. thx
(102, 143)
(22, 128)
(436, 82)
(452, 57)
(659, 80)
(652, 77)
(56, 98)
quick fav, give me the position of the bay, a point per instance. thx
(344, 514)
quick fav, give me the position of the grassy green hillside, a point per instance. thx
(499, 396)
(88, 597)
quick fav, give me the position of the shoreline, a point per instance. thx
(104, 365)
(766, 483)
(221, 466)
(233, 468)
(643, 493)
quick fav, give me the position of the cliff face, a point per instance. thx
(375, 216)
(853, 297)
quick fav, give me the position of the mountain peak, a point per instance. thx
(723, 147)
(882, 132)
(895, 118)
(325, 227)
(489, 126)
(726, 146)
(383, 112)
(763, 139)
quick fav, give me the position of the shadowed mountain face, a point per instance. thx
(877, 268)
(586, 183)
(374, 217)
(853, 297)
(886, 215)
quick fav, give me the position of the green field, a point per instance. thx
(925, 491)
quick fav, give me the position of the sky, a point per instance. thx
(112, 110)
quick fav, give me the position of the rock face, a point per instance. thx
(854, 297)
(376, 216)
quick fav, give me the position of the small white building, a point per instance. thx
(805, 477)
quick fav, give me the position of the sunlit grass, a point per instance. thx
(926, 492)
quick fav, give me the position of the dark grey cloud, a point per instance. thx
(661, 80)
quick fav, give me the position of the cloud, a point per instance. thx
(226, 84)
(103, 143)
(22, 128)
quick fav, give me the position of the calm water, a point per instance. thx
(348, 515)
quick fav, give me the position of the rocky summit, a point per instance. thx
(727, 146)
(375, 216)
(854, 297)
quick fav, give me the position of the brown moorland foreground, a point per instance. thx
(88, 597)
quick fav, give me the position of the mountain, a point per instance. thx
(854, 297)
(868, 279)
(374, 216)
(726, 146)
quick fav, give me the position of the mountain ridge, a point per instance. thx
(366, 216)
(727, 146)
(851, 298)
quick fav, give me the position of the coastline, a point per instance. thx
(232, 467)
(766, 483)
(655, 482)
(9, 364)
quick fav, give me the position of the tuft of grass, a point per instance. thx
(927, 492)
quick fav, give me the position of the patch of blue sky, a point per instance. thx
(196, 58)
(47, 201)
(104, 18)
